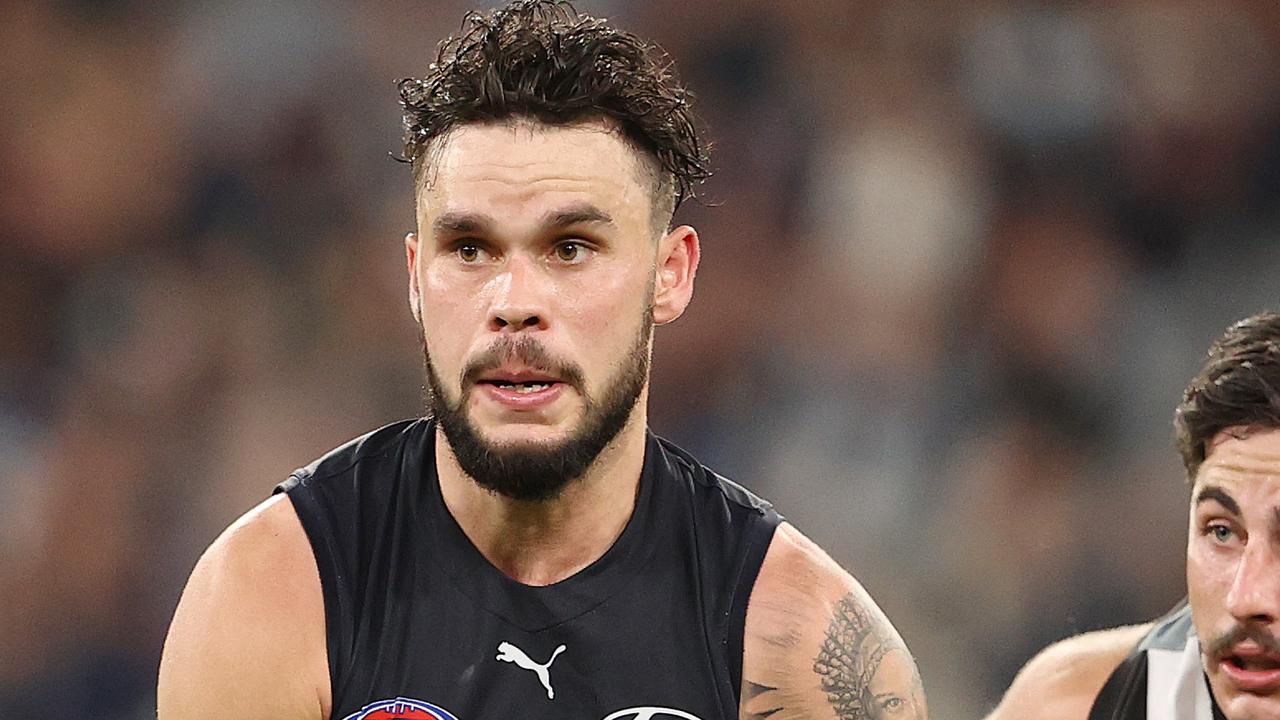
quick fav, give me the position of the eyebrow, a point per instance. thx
(459, 222)
(1220, 496)
(578, 215)
(467, 222)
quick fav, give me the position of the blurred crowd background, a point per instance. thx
(959, 261)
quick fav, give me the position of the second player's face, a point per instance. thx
(1233, 571)
(533, 233)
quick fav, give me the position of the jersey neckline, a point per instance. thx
(530, 607)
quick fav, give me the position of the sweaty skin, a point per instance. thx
(1233, 570)
(546, 231)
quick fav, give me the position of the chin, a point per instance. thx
(1238, 705)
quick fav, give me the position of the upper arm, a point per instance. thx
(1062, 681)
(816, 645)
(247, 640)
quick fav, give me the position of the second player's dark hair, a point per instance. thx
(1239, 386)
(543, 60)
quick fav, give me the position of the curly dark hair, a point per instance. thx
(1239, 386)
(541, 59)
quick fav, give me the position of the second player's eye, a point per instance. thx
(1220, 533)
(571, 252)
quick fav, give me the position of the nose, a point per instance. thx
(519, 298)
(1255, 590)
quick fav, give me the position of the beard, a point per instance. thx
(538, 471)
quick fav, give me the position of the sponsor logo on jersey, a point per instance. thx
(650, 713)
(401, 709)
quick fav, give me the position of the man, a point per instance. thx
(1218, 654)
(529, 549)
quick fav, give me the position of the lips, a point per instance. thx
(1251, 668)
(520, 388)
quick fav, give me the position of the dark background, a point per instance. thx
(961, 261)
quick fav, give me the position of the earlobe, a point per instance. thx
(678, 255)
(411, 257)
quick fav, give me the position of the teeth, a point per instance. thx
(524, 387)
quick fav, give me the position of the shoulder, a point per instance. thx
(709, 484)
(247, 638)
(386, 440)
(816, 643)
(1062, 681)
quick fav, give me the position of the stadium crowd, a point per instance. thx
(958, 264)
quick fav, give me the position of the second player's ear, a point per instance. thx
(411, 261)
(678, 254)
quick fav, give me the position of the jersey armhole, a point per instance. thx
(333, 581)
(1124, 695)
(757, 538)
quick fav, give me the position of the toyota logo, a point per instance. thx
(649, 713)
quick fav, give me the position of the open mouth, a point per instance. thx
(521, 387)
(1253, 663)
(525, 387)
(1251, 669)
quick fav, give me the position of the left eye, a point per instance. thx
(571, 252)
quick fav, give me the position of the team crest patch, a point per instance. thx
(401, 709)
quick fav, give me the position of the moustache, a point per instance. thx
(1220, 646)
(526, 351)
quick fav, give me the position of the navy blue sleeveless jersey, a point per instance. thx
(1161, 679)
(420, 626)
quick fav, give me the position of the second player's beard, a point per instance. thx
(540, 471)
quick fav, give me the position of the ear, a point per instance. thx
(678, 254)
(411, 258)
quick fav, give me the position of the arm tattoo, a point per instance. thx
(852, 655)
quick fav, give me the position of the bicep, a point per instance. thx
(817, 645)
(243, 641)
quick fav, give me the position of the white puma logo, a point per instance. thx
(512, 654)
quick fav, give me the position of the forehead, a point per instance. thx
(1244, 460)
(527, 165)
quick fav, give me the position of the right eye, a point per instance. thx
(1220, 533)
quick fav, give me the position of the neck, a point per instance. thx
(544, 542)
